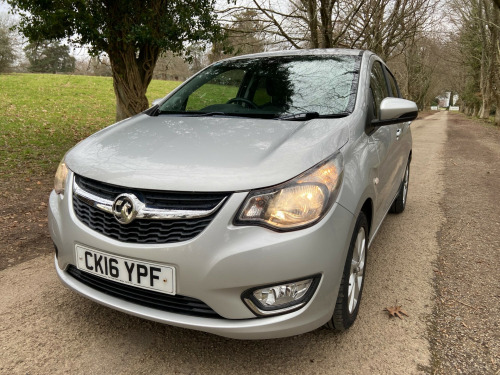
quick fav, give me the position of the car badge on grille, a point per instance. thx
(125, 208)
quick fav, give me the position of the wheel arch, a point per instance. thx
(367, 209)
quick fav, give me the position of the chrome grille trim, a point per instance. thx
(143, 212)
(91, 200)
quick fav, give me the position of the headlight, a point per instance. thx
(297, 203)
(60, 178)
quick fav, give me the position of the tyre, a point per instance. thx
(351, 287)
(399, 203)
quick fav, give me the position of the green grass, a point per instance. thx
(210, 94)
(43, 115)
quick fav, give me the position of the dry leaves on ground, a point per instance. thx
(396, 311)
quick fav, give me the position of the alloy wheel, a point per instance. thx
(405, 184)
(357, 270)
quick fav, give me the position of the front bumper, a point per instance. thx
(221, 263)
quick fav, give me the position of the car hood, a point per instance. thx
(205, 153)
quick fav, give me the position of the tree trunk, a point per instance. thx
(132, 74)
(312, 14)
(486, 62)
(377, 41)
(326, 7)
(497, 114)
(495, 42)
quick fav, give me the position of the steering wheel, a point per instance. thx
(243, 100)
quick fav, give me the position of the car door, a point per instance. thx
(386, 185)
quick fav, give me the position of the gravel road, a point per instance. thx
(466, 319)
(47, 329)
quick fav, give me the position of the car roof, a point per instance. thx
(304, 52)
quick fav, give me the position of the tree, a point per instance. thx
(304, 23)
(383, 26)
(422, 68)
(133, 33)
(171, 67)
(49, 57)
(397, 30)
(100, 66)
(7, 55)
(93, 66)
(478, 48)
(389, 27)
(242, 35)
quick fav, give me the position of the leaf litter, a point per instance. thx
(396, 311)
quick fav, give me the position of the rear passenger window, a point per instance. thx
(378, 86)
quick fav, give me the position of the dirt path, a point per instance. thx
(45, 328)
(23, 219)
(466, 338)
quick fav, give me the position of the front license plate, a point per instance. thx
(152, 276)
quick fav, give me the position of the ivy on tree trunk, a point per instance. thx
(131, 78)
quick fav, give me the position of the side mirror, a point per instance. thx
(396, 110)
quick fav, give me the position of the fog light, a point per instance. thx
(281, 298)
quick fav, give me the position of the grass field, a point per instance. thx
(43, 115)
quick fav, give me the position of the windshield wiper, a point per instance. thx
(304, 116)
(192, 114)
(215, 113)
(335, 115)
(299, 116)
(205, 114)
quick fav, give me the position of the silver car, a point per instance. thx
(244, 202)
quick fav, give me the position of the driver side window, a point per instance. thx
(378, 87)
(218, 90)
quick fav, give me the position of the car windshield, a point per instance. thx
(272, 87)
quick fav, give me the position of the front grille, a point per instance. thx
(160, 301)
(153, 198)
(146, 231)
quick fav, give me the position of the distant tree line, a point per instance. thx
(49, 57)
(475, 53)
(7, 50)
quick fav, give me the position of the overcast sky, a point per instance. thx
(4, 8)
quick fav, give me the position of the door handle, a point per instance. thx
(398, 132)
